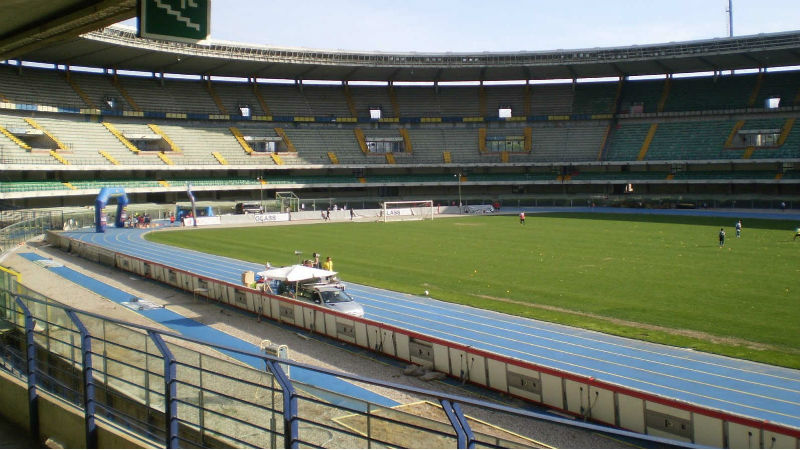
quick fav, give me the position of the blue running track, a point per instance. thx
(197, 330)
(743, 388)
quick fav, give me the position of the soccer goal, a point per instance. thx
(413, 210)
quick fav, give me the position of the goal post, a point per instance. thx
(407, 210)
(287, 200)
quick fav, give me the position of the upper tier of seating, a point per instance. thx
(126, 121)
(73, 89)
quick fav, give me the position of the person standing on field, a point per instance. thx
(522, 218)
(721, 237)
(739, 228)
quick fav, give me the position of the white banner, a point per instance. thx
(189, 221)
(399, 212)
(276, 217)
(480, 209)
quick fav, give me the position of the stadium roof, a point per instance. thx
(27, 25)
(50, 34)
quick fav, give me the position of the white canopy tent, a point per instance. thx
(296, 273)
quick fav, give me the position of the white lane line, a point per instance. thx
(640, 380)
(469, 315)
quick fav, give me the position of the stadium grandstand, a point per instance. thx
(87, 104)
(705, 121)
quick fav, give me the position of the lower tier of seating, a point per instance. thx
(63, 139)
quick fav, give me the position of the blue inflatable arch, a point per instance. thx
(102, 199)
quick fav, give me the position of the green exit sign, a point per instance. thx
(174, 20)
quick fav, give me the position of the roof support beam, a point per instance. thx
(753, 59)
(714, 67)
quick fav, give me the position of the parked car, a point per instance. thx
(332, 296)
(248, 208)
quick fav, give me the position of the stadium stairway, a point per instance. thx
(113, 130)
(121, 89)
(217, 100)
(647, 140)
(88, 101)
(260, 99)
(33, 123)
(288, 142)
(240, 139)
(14, 139)
(157, 130)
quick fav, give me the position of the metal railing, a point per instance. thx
(174, 391)
(17, 226)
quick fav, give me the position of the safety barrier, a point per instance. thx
(585, 397)
(19, 226)
(161, 389)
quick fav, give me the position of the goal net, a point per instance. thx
(411, 210)
(287, 200)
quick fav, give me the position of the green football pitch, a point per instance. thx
(658, 278)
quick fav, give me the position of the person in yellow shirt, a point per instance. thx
(328, 264)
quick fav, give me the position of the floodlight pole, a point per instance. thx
(730, 18)
(261, 192)
(459, 191)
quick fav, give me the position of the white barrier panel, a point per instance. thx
(577, 395)
(631, 413)
(345, 330)
(709, 431)
(522, 382)
(361, 334)
(601, 405)
(319, 321)
(477, 369)
(401, 345)
(297, 318)
(185, 281)
(441, 360)
(458, 364)
(374, 341)
(420, 352)
(388, 343)
(497, 375)
(308, 318)
(552, 391)
(668, 422)
(330, 325)
(240, 299)
(275, 309)
(777, 440)
(743, 436)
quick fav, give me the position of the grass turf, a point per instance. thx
(658, 278)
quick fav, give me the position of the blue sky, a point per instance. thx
(493, 25)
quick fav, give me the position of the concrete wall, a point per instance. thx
(58, 420)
